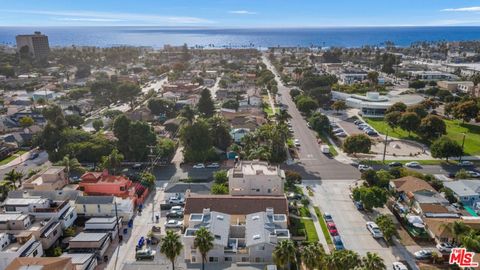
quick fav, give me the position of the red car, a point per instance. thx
(332, 229)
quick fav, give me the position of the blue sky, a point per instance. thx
(240, 13)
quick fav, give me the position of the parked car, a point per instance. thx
(213, 165)
(177, 208)
(199, 166)
(357, 122)
(412, 164)
(294, 196)
(341, 134)
(175, 214)
(423, 254)
(332, 229)
(327, 217)
(373, 228)
(145, 254)
(395, 164)
(308, 125)
(33, 156)
(371, 133)
(296, 142)
(399, 266)
(358, 205)
(363, 167)
(474, 174)
(337, 241)
(137, 166)
(172, 223)
(465, 163)
(444, 247)
(337, 130)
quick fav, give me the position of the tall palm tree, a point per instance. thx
(471, 241)
(71, 165)
(284, 253)
(313, 255)
(457, 229)
(373, 262)
(5, 187)
(204, 243)
(171, 246)
(112, 162)
(13, 176)
(187, 115)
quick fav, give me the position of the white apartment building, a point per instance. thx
(12, 247)
(250, 239)
(256, 178)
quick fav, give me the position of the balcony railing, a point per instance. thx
(50, 209)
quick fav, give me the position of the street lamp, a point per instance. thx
(385, 147)
(463, 144)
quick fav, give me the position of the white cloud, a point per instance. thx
(242, 12)
(464, 9)
(129, 18)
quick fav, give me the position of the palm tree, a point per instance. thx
(457, 229)
(204, 242)
(284, 253)
(71, 165)
(14, 176)
(312, 255)
(112, 162)
(5, 187)
(373, 262)
(283, 116)
(349, 259)
(471, 241)
(171, 247)
(187, 115)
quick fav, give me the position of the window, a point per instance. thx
(98, 208)
(213, 259)
(228, 259)
(84, 208)
(269, 191)
(54, 232)
(258, 259)
(35, 252)
(194, 259)
(244, 259)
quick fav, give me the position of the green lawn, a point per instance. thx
(312, 235)
(12, 157)
(455, 130)
(422, 162)
(323, 225)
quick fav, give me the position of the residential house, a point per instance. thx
(18, 246)
(53, 178)
(256, 178)
(82, 261)
(102, 183)
(466, 191)
(46, 230)
(238, 133)
(104, 206)
(41, 263)
(108, 225)
(85, 242)
(250, 239)
(418, 193)
(440, 228)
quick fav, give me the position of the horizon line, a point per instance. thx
(243, 27)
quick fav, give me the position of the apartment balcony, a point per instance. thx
(54, 208)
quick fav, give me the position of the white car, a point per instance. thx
(412, 164)
(176, 208)
(199, 166)
(296, 142)
(363, 167)
(173, 223)
(399, 266)
(444, 247)
(337, 130)
(341, 134)
(213, 165)
(373, 228)
(474, 174)
(465, 163)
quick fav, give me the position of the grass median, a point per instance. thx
(323, 225)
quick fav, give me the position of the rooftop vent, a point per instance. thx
(256, 237)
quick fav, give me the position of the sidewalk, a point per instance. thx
(17, 161)
(316, 223)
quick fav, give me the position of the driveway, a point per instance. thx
(333, 197)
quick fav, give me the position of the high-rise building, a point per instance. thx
(37, 44)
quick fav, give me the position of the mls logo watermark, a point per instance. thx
(462, 257)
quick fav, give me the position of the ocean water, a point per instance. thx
(304, 37)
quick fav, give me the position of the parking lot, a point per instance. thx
(333, 197)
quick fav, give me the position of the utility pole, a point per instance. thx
(385, 147)
(463, 144)
(150, 170)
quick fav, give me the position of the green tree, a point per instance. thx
(83, 71)
(409, 122)
(140, 137)
(187, 115)
(372, 76)
(373, 262)
(205, 105)
(358, 143)
(284, 254)
(148, 179)
(220, 177)
(26, 121)
(417, 84)
(74, 120)
(219, 189)
(71, 165)
(462, 174)
(322, 95)
(163, 107)
(445, 147)
(371, 197)
(128, 92)
(97, 124)
(432, 127)
(292, 178)
(204, 243)
(312, 255)
(112, 162)
(295, 92)
(121, 127)
(393, 119)
(165, 147)
(419, 109)
(13, 177)
(171, 246)
(388, 228)
(397, 107)
(466, 111)
(196, 141)
(231, 104)
(306, 104)
(339, 105)
(283, 116)
(471, 240)
(320, 123)
(220, 132)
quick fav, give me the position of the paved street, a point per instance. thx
(313, 164)
(24, 165)
(333, 197)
